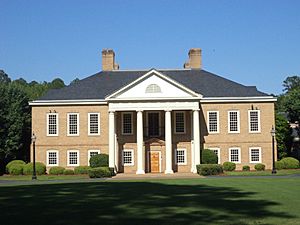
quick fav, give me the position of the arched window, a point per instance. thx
(153, 88)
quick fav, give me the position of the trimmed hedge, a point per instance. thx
(229, 166)
(16, 169)
(100, 160)
(290, 163)
(260, 167)
(209, 169)
(39, 167)
(99, 172)
(56, 170)
(81, 169)
(68, 172)
(278, 165)
(246, 168)
(208, 157)
(20, 162)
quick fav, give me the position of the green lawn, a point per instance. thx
(190, 201)
(262, 173)
(44, 177)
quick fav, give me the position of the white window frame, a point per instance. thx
(238, 121)
(57, 157)
(68, 124)
(89, 124)
(218, 120)
(258, 118)
(68, 158)
(250, 153)
(131, 114)
(184, 122)
(185, 156)
(89, 154)
(57, 125)
(218, 154)
(132, 155)
(239, 154)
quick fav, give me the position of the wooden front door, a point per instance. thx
(154, 162)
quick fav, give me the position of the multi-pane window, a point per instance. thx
(179, 122)
(217, 152)
(73, 158)
(234, 155)
(213, 121)
(181, 156)
(92, 153)
(128, 158)
(255, 155)
(73, 124)
(233, 122)
(94, 123)
(127, 123)
(52, 158)
(153, 88)
(52, 124)
(254, 121)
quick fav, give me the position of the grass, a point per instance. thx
(262, 173)
(43, 177)
(176, 201)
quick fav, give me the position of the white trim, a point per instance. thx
(68, 158)
(185, 157)
(250, 151)
(149, 160)
(258, 118)
(147, 123)
(132, 157)
(238, 122)
(239, 99)
(89, 156)
(218, 122)
(47, 122)
(68, 124)
(218, 154)
(57, 157)
(69, 102)
(89, 125)
(239, 154)
(184, 122)
(131, 113)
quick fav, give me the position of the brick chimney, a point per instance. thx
(108, 60)
(195, 60)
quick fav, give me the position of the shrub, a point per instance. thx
(56, 170)
(209, 157)
(260, 167)
(81, 169)
(98, 172)
(68, 172)
(246, 168)
(39, 167)
(100, 160)
(229, 166)
(16, 169)
(278, 165)
(290, 163)
(209, 169)
(21, 162)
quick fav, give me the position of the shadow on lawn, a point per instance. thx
(130, 203)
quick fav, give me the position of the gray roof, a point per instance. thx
(104, 83)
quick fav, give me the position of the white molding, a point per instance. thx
(258, 116)
(57, 157)
(185, 156)
(122, 123)
(218, 154)
(184, 122)
(250, 158)
(68, 158)
(68, 124)
(238, 99)
(89, 152)
(57, 124)
(69, 102)
(238, 122)
(218, 122)
(239, 152)
(132, 159)
(89, 128)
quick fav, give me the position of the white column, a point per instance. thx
(140, 141)
(111, 139)
(196, 131)
(168, 135)
(192, 144)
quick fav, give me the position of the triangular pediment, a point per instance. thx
(153, 85)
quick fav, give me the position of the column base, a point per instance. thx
(194, 170)
(140, 172)
(169, 172)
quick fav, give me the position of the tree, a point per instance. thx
(283, 137)
(291, 83)
(74, 81)
(57, 83)
(4, 77)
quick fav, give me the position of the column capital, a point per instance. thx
(139, 110)
(196, 110)
(111, 111)
(168, 110)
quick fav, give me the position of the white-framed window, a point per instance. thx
(52, 124)
(217, 152)
(234, 122)
(94, 123)
(235, 155)
(73, 157)
(181, 156)
(128, 157)
(255, 155)
(52, 158)
(254, 121)
(92, 153)
(127, 123)
(153, 88)
(73, 124)
(179, 122)
(213, 121)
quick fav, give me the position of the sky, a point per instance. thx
(252, 42)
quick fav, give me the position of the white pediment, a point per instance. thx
(154, 85)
